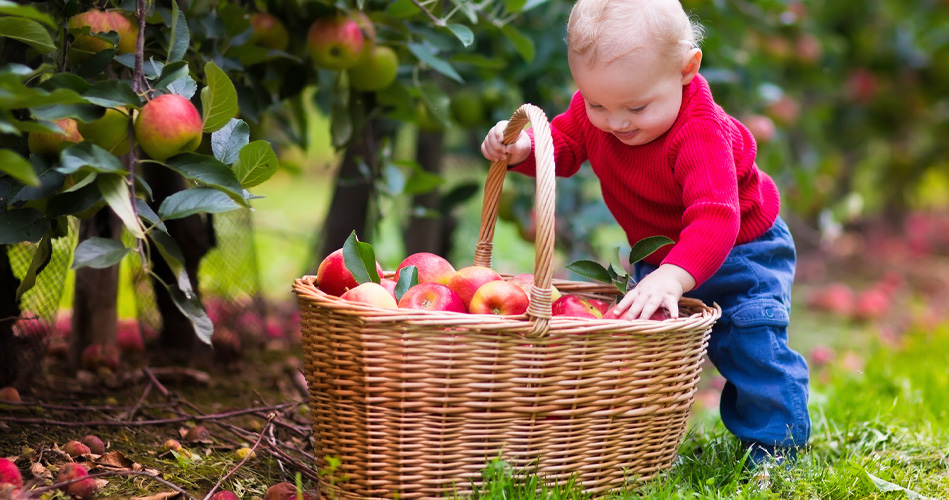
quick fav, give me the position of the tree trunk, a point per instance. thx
(9, 312)
(428, 233)
(94, 302)
(355, 193)
(195, 237)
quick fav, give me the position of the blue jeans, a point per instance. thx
(764, 400)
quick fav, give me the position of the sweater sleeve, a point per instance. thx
(705, 169)
(566, 130)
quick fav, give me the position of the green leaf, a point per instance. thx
(226, 142)
(436, 100)
(169, 250)
(218, 98)
(360, 259)
(463, 33)
(44, 251)
(19, 96)
(422, 181)
(426, 53)
(83, 201)
(116, 193)
(87, 155)
(190, 305)
(146, 213)
(171, 73)
(195, 201)
(99, 253)
(341, 123)
(408, 277)
(257, 162)
(210, 172)
(27, 31)
(180, 35)
(646, 246)
(522, 43)
(113, 94)
(514, 5)
(17, 167)
(8, 8)
(403, 9)
(97, 63)
(590, 269)
(26, 224)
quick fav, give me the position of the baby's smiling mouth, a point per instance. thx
(625, 135)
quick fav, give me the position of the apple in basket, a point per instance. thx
(372, 294)
(466, 281)
(333, 277)
(575, 307)
(499, 297)
(660, 315)
(432, 297)
(526, 281)
(432, 268)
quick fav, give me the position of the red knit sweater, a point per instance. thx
(697, 183)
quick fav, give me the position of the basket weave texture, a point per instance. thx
(415, 403)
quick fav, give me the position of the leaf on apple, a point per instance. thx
(360, 260)
(408, 277)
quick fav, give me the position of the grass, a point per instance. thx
(879, 434)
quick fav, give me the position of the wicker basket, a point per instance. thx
(416, 403)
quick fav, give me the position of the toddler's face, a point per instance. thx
(635, 97)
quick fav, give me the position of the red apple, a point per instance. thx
(432, 297)
(431, 268)
(371, 293)
(287, 491)
(335, 42)
(10, 474)
(871, 304)
(375, 70)
(660, 315)
(110, 131)
(9, 394)
(835, 298)
(75, 448)
(51, 143)
(574, 307)
(466, 281)
(225, 495)
(600, 305)
(96, 356)
(499, 297)
(526, 282)
(84, 489)
(168, 125)
(267, 30)
(102, 21)
(388, 285)
(333, 277)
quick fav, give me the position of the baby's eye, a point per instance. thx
(595, 106)
(638, 110)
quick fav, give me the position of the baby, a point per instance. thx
(671, 162)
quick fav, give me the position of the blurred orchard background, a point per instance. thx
(847, 100)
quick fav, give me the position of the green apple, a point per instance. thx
(375, 70)
(168, 125)
(467, 109)
(110, 132)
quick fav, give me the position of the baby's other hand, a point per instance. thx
(494, 149)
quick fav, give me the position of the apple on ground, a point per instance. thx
(333, 277)
(466, 281)
(287, 491)
(574, 306)
(84, 488)
(225, 495)
(102, 21)
(372, 294)
(871, 304)
(335, 42)
(526, 281)
(10, 474)
(432, 268)
(375, 70)
(110, 131)
(9, 394)
(499, 297)
(100, 356)
(432, 297)
(51, 143)
(268, 31)
(168, 125)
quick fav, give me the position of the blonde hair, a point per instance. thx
(608, 29)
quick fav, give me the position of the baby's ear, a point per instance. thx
(690, 65)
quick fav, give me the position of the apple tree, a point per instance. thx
(122, 118)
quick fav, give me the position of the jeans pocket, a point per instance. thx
(760, 312)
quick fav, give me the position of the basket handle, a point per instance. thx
(539, 310)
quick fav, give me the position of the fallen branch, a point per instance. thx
(246, 457)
